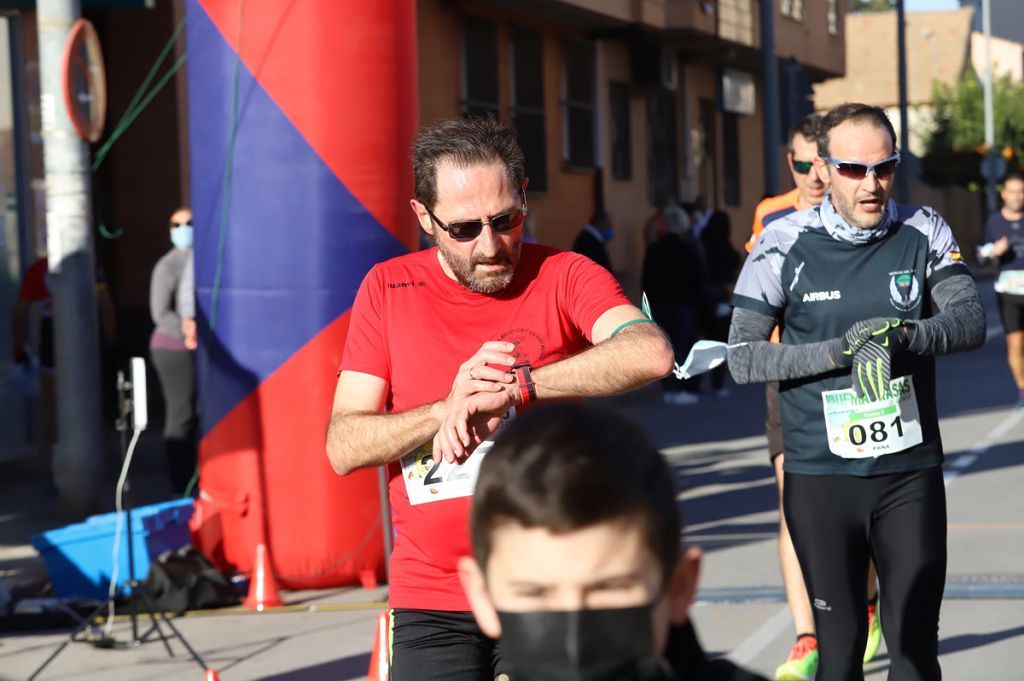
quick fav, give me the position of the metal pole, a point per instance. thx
(772, 122)
(77, 455)
(903, 186)
(990, 123)
(385, 518)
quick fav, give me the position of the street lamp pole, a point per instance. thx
(990, 123)
(78, 452)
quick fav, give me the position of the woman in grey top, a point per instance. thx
(172, 358)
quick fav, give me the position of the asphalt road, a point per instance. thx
(728, 494)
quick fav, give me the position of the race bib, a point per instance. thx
(426, 481)
(859, 428)
(1011, 281)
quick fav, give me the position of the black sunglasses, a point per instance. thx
(858, 171)
(802, 167)
(467, 230)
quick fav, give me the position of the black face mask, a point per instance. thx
(580, 645)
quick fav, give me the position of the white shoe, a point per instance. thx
(681, 398)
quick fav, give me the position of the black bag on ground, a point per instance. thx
(184, 580)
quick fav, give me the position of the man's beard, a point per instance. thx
(465, 272)
(848, 212)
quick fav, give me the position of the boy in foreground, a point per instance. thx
(577, 568)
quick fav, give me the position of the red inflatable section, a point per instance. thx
(239, 482)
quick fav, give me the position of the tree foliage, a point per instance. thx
(956, 145)
(872, 6)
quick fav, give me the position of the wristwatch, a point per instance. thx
(524, 379)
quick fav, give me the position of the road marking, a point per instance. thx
(985, 526)
(964, 460)
(761, 638)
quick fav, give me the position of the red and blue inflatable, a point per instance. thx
(301, 117)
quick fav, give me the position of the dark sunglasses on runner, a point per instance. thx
(467, 230)
(802, 167)
(858, 171)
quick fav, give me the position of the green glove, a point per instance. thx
(872, 360)
(856, 336)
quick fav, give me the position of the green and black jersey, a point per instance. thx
(816, 286)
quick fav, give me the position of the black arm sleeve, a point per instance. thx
(757, 360)
(960, 323)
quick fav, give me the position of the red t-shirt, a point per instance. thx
(35, 287)
(413, 326)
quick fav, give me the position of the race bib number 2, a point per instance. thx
(426, 481)
(858, 428)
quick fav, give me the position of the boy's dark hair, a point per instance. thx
(852, 111)
(565, 467)
(807, 127)
(1013, 177)
(465, 142)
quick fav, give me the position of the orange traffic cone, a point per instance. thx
(211, 675)
(262, 586)
(379, 663)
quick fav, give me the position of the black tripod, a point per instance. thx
(137, 590)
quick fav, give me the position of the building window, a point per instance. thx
(479, 68)
(794, 9)
(731, 157)
(578, 106)
(527, 110)
(833, 17)
(622, 151)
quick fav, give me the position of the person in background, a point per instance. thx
(722, 262)
(173, 360)
(35, 292)
(1004, 246)
(867, 292)
(676, 283)
(593, 239)
(654, 226)
(576, 568)
(186, 301)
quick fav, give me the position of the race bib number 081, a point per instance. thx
(858, 428)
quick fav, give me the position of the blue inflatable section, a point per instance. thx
(296, 242)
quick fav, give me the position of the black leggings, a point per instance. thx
(837, 522)
(176, 370)
(435, 645)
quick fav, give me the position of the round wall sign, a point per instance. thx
(84, 81)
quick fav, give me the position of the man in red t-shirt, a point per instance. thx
(446, 344)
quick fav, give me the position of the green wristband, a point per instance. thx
(631, 322)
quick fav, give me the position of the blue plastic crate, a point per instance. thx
(79, 556)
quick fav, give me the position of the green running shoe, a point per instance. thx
(802, 662)
(874, 633)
